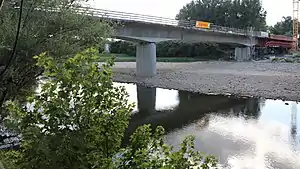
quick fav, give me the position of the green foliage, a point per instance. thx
(78, 120)
(231, 13)
(275, 59)
(60, 34)
(192, 50)
(123, 47)
(297, 54)
(284, 27)
(170, 49)
(286, 60)
(149, 151)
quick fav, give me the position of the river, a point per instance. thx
(243, 133)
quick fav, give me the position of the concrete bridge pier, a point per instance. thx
(242, 54)
(146, 99)
(146, 59)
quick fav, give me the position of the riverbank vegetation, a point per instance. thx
(78, 120)
(60, 34)
(177, 49)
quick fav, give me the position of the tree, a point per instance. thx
(61, 34)
(175, 49)
(284, 27)
(123, 47)
(237, 13)
(78, 121)
(1, 4)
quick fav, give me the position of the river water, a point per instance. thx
(243, 133)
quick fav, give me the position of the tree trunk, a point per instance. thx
(1, 4)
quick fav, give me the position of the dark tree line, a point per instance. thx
(123, 47)
(230, 13)
(284, 27)
(177, 49)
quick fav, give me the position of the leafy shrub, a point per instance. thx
(78, 121)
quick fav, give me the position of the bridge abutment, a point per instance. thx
(242, 54)
(146, 59)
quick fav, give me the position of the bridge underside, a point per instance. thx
(141, 32)
(146, 57)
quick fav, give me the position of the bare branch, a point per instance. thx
(1, 4)
(16, 40)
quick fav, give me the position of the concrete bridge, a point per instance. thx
(146, 31)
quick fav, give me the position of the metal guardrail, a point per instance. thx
(125, 16)
(129, 16)
(190, 24)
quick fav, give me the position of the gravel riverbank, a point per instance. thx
(258, 79)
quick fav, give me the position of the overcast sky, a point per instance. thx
(169, 8)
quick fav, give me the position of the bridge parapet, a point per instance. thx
(125, 16)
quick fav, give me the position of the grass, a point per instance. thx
(127, 58)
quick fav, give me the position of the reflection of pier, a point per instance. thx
(146, 99)
(294, 124)
(191, 107)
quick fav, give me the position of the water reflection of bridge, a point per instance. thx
(191, 107)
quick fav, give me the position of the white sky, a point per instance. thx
(169, 8)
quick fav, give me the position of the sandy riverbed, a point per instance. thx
(258, 79)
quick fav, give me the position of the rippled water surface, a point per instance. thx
(243, 133)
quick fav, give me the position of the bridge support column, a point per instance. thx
(146, 59)
(242, 54)
(146, 99)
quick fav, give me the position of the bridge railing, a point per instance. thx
(129, 16)
(125, 16)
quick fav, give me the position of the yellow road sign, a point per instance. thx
(201, 24)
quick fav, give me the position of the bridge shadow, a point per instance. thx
(191, 107)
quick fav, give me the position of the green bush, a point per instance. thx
(275, 59)
(78, 121)
(297, 55)
(288, 60)
(123, 47)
